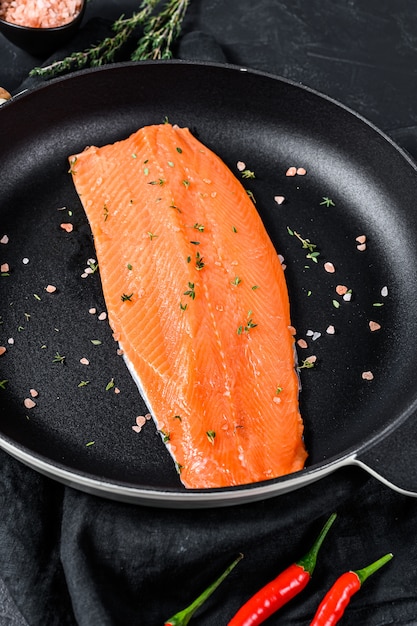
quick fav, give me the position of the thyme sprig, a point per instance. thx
(160, 31)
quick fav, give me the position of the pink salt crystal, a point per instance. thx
(33, 393)
(367, 375)
(116, 390)
(148, 416)
(292, 330)
(361, 247)
(329, 267)
(240, 166)
(341, 289)
(92, 311)
(291, 171)
(4, 267)
(84, 361)
(330, 330)
(361, 239)
(102, 316)
(4, 239)
(67, 227)
(301, 171)
(137, 429)
(2, 350)
(374, 326)
(50, 288)
(140, 420)
(29, 403)
(279, 199)
(302, 343)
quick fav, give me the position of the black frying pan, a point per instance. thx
(82, 435)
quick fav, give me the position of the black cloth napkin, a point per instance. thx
(72, 559)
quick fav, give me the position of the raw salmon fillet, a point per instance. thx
(197, 299)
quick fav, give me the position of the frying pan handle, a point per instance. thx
(392, 460)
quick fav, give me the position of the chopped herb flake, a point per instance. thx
(3, 384)
(179, 150)
(190, 292)
(58, 358)
(96, 342)
(35, 295)
(248, 174)
(327, 201)
(211, 436)
(90, 443)
(110, 384)
(126, 297)
(83, 383)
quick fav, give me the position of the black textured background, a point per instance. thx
(67, 558)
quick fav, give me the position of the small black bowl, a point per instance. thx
(41, 42)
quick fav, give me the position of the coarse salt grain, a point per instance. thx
(4, 267)
(367, 375)
(116, 390)
(10, 341)
(4, 239)
(330, 330)
(361, 247)
(341, 290)
(29, 403)
(374, 326)
(25, 261)
(240, 166)
(279, 199)
(347, 297)
(92, 311)
(84, 361)
(329, 267)
(361, 239)
(302, 343)
(384, 292)
(102, 316)
(301, 171)
(148, 416)
(33, 393)
(50, 288)
(67, 227)
(291, 171)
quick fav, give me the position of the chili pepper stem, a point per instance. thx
(365, 572)
(183, 617)
(308, 561)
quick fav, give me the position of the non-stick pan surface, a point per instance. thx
(357, 183)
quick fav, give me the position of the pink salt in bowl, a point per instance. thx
(41, 41)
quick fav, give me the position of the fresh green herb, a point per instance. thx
(105, 212)
(173, 206)
(251, 196)
(90, 443)
(152, 235)
(195, 243)
(306, 364)
(309, 292)
(248, 326)
(93, 266)
(179, 150)
(211, 436)
(126, 297)
(96, 342)
(27, 316)
(5, 274)
(178, 417)
(186, 183)
(248, 174)
(199, 263)
(327, 201)
(254, 287)
(306, 244)
(129, 267)
(74, 160)
(160, 31)
(83, 383)
(170, 163)
(190, 292)
(134, 156)
(336, 304)
(146, 171)
(160, 181)
(183, 307)
(35, 295)
(234, 229)
(110, 384)
(179, 467)
(236, 281)
(58, 358)
(378, 304)
(3, 384)
(199, 227)
(278, 390)
(165, 436)
(20, 328)
(188, 259)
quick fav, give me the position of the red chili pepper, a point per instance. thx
(283, 588)
(183, 617)
(338, 597)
